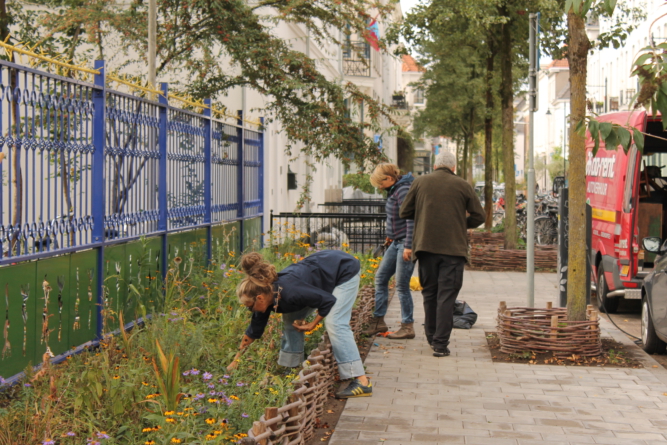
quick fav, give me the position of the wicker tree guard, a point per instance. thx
(523, 329)
(294, 423)
(486, 252)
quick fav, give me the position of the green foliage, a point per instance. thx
(360, 181)
(219, 45)
(168, 378)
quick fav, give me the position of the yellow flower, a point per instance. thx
(116, 377)
(147, 430)
(363, 275)
(233, 397)
(168, 413)
(170, 420)
(149, 442)
(175, 440)
(210, 436)
(210, 421)
(212, 400)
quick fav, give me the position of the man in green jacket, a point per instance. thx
(443, 207)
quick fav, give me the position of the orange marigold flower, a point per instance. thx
(210, 421)
(170, 420)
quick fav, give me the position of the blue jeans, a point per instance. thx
(337, 324)
(392, 263)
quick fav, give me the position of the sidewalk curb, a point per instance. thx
(609, 330)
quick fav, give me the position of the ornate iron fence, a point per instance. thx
(88, 170)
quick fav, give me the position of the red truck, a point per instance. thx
(628, 196)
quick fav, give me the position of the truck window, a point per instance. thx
(629, 179)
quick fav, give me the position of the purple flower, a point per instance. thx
(212, 393)
(176, 319)
(2, 381)
(199, 396)
(223, 266)
(211, 385)
(207, 376)
(49, 442)
(310, 249)
(92, 442)
(203, 409)
(244, 415)
(102, 435)
(27, 385)
(240, 384)
(186, 373)
(70, 434)
(194, 371)
(174, 313)
(225, 376)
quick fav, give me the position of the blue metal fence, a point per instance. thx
(89, 169)
(87, 166)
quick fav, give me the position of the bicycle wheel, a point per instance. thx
(544, 231)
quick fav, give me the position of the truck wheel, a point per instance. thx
(610, 304)
(650, 341)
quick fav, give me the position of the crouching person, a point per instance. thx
(326, 281)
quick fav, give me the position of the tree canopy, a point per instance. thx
(216, 45)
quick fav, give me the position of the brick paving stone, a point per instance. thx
(466, 398)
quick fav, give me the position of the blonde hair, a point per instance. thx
(260, 275)
(384, 171)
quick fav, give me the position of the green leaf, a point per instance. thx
(610, 5)
(624, 138)
(568, 5)
(576, 5)
(638, 138)
(580, 128)
(587, 6)
(605, 129)
(643, 58)
(611, 141)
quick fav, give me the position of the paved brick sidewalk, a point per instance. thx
(468, 399)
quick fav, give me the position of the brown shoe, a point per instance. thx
(375, 326)
(406, 332)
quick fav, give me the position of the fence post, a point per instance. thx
(261, 180)
(207, 175)
(162, 175)
(240, 181)
(98, 201)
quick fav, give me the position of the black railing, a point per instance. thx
(357, 59)
(356, 231)
(365, 206)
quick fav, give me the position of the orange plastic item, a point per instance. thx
(384, 334)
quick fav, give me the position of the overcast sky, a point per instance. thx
(407, 4)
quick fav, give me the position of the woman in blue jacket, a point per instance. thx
(397, 258)
(326, 281)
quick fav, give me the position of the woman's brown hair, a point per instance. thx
(260, 275)
(384, 171)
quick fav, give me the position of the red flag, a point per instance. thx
(372, 35)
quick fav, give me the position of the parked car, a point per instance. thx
(654, 298)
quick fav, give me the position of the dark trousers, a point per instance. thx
(441, 277)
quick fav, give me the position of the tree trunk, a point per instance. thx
(578, 58)
(463, 172)
(471, 145)
(488, 142)
(507, 105)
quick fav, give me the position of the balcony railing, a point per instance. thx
(357, 58)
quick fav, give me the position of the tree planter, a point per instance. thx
(522, 329)
(495, 258)
(294, 422)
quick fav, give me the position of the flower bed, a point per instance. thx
(166, 381)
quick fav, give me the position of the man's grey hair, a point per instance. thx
(445, 159)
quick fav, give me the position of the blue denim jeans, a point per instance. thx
(392, 263)
(337, 324)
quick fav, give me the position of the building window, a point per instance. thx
(419, 96)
